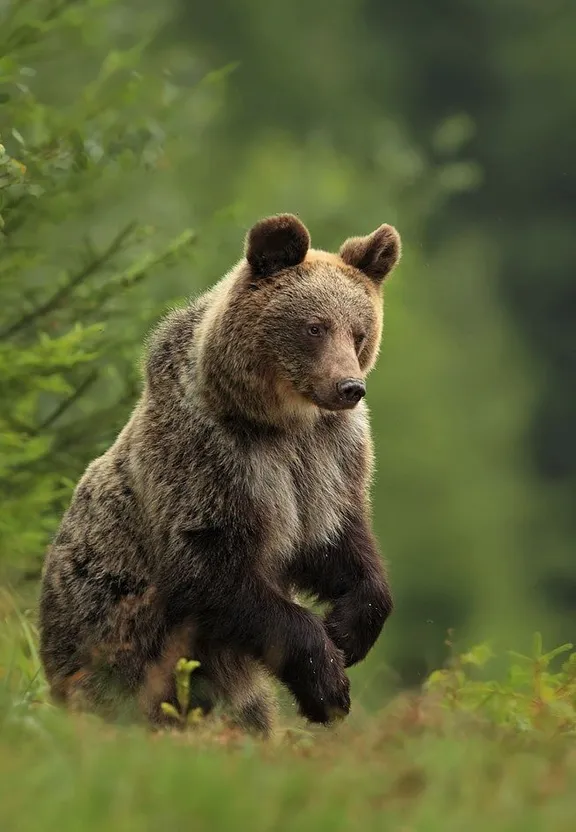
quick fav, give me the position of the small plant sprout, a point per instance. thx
(183, 715)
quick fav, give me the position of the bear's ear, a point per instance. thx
(375, 255)
(276, 243)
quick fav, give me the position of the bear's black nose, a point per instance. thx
(351, 389)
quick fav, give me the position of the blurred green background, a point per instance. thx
(140, 142)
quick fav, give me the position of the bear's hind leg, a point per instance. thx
(245, 690)
(236, 682)
(258, 714)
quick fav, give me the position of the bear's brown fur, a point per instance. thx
(240, 479)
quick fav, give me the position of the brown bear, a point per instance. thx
(241, 479)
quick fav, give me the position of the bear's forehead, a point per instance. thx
(323, 258)
(324, 268)
(326, 285)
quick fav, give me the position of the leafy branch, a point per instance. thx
(117, 244)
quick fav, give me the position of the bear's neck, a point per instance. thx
(252, 403)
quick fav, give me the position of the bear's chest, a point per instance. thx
(300, 495)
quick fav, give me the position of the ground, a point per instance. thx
(462, 754)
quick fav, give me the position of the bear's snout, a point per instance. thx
(339, 395)
(351, 390)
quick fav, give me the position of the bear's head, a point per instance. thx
(294, 331)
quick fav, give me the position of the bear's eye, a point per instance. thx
(359, 341)
(315, 330)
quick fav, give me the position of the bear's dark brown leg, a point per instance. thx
(355, 586)
(234, 606)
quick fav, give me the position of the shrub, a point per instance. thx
(67, 263)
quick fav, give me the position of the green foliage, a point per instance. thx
(23, 689)
(532, 696)
(67, 363)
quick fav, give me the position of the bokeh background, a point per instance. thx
(140, 141)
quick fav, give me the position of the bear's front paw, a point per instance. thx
(353, 627)
(320, 685)
(345, 639)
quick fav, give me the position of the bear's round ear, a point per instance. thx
(375, 255)
(276, 243)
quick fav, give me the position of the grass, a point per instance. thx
(465, 753)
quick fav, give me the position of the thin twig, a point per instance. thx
(95, 420)
(52, 303)
(67, 403)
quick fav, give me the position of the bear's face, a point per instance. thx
(319, 318)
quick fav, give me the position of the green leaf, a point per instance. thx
(170, 710)
(520, 657)
(537, 646)
(187, 666)
(195, 716)
(478, 655)
(564, 648)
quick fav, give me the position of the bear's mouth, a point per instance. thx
(333, 403)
